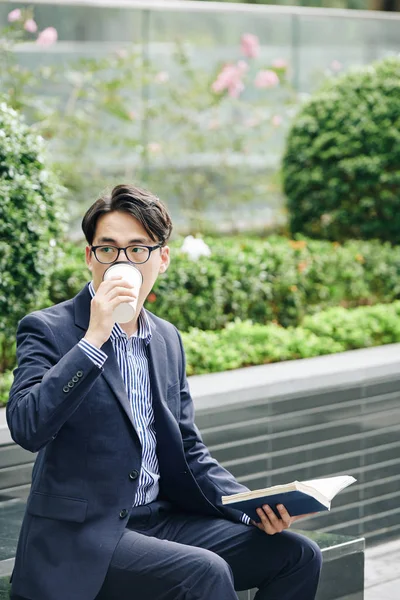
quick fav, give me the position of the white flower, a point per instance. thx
(195, 247)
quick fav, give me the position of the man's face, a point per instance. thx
(124, 230)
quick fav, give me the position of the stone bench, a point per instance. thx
(342, 574)
(343, 569)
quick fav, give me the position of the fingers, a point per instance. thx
(286, 518)
(121, 291)
(270, 522)
(114, 280)
(113, 288)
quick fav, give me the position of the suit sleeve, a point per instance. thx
(47, 387)
(213, 479)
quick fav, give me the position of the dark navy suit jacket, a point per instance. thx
(77, 417)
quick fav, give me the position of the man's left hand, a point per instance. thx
(270, 522)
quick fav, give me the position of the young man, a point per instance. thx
(125, 501)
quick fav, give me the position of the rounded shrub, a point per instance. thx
(341, 167)
(31, 222)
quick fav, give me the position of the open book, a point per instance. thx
(298, 497)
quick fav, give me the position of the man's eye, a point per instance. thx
(107, 249)
(137, 250)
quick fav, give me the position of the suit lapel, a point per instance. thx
(169, 447)
(156, 352)
(111, 372)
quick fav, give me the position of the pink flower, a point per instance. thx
(249, 45)
(276, 120)
(31, 26)
(47, 37)
(14, 15)
(266, 79)
(280, 63)
(225, 78)
(230, 78)
(162, 77)
(235, 89)
(336, 65)
(242, 66)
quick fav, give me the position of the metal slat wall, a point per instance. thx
(297, 420)
(342, 429)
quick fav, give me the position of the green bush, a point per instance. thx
(6, 380)
(361, 327)
(341, 168)
(242, 343)
(263, 280)
(31, 222)
(69, 274)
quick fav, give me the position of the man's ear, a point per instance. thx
(88, 258)
(166, 258)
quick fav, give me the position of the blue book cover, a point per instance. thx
(298, 497)
(295, 502)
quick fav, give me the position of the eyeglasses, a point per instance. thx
(135, 254)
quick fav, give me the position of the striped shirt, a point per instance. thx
(133, 363)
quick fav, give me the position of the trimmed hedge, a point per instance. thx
(242, 344)
(341, 167)
(6, 380)
(262, 280)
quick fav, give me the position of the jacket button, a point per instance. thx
(134, 475)
(75, 379)
(65, 389)
(79, 373)
(123, 513)
(71, 384)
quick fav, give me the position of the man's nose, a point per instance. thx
(122, 256)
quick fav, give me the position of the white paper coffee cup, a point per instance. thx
(125, 311)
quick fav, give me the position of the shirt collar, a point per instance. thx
(144, 327)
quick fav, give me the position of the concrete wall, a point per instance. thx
(303, 419)
(312, 418)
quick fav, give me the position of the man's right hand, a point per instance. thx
(109, 295)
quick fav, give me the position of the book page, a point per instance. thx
(329, 486)
(275, 489)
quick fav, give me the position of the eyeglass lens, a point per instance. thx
(108, 254)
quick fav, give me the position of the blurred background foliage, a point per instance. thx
(129, 94)
(103, 118)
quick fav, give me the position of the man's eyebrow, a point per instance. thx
(109, 240)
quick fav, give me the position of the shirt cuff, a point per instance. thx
(246, 519)
(97, 356)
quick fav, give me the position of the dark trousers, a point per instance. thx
(165, 555)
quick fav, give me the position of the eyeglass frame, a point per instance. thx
(149, 248)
